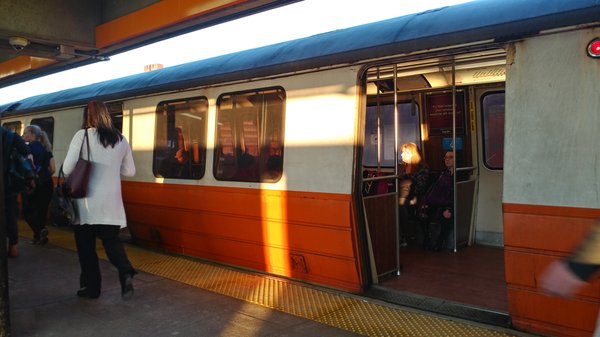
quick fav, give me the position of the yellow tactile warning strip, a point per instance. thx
(341, 310)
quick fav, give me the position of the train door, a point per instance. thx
(489, 103)
(450, 105)
(390, 120)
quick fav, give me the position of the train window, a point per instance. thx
(116, 114)
(47, 125)
(249, 139)
(14, 126)
(180, 139)
(408, 131)
(492, 110)
(115, 109)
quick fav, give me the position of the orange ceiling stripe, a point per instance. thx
(159, 15)
(21, 64)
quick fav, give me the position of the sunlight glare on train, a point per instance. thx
(327, 126)
(275, 233)
(143, 132)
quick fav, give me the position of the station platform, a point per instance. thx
(180, 296)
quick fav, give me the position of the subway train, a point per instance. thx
(283, 159)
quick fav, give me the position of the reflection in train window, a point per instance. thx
(249, 140)
(14, 126)
(492, 110)
(47, 125)
(180, 139)
(116, 114)
(115, 109)
(408, 131)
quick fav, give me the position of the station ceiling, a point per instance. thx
(38, 38)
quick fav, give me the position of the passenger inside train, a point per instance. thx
(413, 179)
(177, 161)
(436, 207)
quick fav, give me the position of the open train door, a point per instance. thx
(444, 104)
(390, 120)
(488, 225)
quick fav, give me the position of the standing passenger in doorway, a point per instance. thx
(413, 176)
(101, 213)
(35, 204)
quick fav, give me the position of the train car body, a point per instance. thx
(282, 159)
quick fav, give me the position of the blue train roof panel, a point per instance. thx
(479, 20)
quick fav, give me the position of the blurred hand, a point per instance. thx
(559, 280)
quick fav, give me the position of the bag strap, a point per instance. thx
(87, 142)
(61, 176)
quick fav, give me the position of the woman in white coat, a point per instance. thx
(101, 212)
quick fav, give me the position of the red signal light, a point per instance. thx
(593, 48)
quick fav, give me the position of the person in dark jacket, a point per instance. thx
(10, 197)
(438, 204)
(35, 204)
(413, 176)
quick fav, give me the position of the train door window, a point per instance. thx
(249, 136)
(14, 126)
(408, 131)
(492, 104)
(180, 139)
(47, 125)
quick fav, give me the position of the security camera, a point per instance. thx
(18, 43)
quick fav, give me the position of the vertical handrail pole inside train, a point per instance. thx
(396, 168)
(378, 127)
(454, 208)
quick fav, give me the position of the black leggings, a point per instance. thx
(85, 239)
(35, 207)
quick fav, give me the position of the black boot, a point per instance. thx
(126, 285)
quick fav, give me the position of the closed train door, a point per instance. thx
(452, 109)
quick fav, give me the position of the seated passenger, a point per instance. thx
(413, 175)
(176, 164)
(437, 205)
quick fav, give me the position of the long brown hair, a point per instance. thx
(97, 116)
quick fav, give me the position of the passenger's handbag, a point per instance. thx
(76, 183)
(62, 210)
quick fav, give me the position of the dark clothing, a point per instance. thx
(439, 199)
(19, 144)
(85, 239)
(41, 159)
(35, 204)
(410, 185)
(12, 232)
(10, 198)
(419, 181)
(441, 194)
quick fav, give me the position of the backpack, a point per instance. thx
(21, 171)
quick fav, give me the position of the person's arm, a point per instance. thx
(127, 164)
(52, 166)
(567, 276)
(73, 152)
(21, 147)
